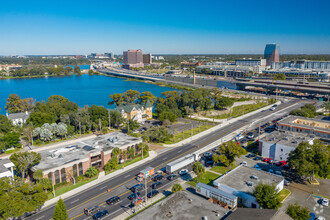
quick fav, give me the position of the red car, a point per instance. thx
(281, 163)
(267, 159)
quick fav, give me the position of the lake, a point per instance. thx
(84, 90)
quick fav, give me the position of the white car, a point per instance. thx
(325, 202)
(244, 163)
(320, 218)
(272, 108)
(183, 172)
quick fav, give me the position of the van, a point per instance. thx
(91, 210)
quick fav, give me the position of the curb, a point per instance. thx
(152, 155)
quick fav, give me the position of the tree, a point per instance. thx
(112, 164)
(297, 212)
(13, 103)
(36, 132)
(216, 158)
(130, 96)
(18, 196)
(38, 175)
(25, 160)
(116, 99)
(116, 118)
(28, 132)
(46, 135)
(116, 151)
(167, 115)
(11, 139)
(267, 196)
(5, 124)
(223, 103)
(132, 125)
(176, 188)
(77, 70)
(280, 76)
(57, 99)
(159, 134)
(91, 172)
(40, 118)
(60, 212)
(62, 129)
(198, 169)
(144, 97)
(307, 159)
(46, 184)
(326, 106)
(224, 160)
(231, 150)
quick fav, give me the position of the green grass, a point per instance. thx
(221, 169)
(241, 110)
(13, 150)
(284, 194)
(187, 134)
(127, 163)
(69, 187)
(206, 178)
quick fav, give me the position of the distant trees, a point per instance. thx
(307, 159)
(15, 104)
(60, 212)
(297, 212)
(267, 196)
(308, 111)
(77, 70)
(280, 76)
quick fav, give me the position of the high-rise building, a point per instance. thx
(147, 58)
(272, 54)
(133, 58)
(112, 56)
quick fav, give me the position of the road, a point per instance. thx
(119, 185)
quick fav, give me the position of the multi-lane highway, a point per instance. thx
(120, 184)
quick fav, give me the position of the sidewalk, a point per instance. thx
(152, 155)
(226, 122)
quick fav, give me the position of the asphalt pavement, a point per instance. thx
(120, 185)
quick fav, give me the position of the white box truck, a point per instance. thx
(181, 162)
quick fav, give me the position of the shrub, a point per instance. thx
(176, 187)
(91, 172)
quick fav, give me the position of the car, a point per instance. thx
(113, 200)
(325, 202)
(275, 105)
(172, 177)
(243, 140)
(244, 163)
(256, 166)
(152, 193)
(250, 135)
(134, 196)
(209, 163)
(156, 185)
(208, 155)
(278, 173)
(320, 218)
(158, 177)
(272, 108)
(271, 171)
(281, 163)
(286, 167)
(91, 210)
(267, 159)
(100, 214)
(183, 172)
(250, 155)
(286, 182)
(257, 158)
(137, 187)
(312, 216)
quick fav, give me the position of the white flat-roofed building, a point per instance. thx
(242, 180)
(6, 168)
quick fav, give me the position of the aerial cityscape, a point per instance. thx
(181, 110)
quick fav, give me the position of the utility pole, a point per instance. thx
(109, 114)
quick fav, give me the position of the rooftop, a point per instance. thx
(288, 139)
(183, 205)
(309, 123)
(23, 115)
(5, 164)
(241, 179)
(258, 214)
(66, 154)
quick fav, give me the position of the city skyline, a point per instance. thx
(214, 27)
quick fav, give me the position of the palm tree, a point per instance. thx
(116, 151)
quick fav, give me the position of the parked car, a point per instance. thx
(320, 218)
(209, 163)
(286, 167)
(158, 177)
(137, 187)
(113, 200)
(250, 155)
(250, 135)
(312, 216)
(278, 173)
(257, 158)
(286, 182)
(281, 163)
(244, 163)
(156, 185)
(267, 159)
(152, 193)
(183, 172)
(243, 140)
(325, 202)
(134, 196)
(100, 214)
(208, 155)
(91, 210)
(271, 171)
(256, 166)
(172, 177)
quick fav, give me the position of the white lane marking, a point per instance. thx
(116, 211)
(74, 201)
(165, 158)
(127, 175)
(179, 151)
(40, 217)
(103, 187)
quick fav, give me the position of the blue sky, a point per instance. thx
(163, 27)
